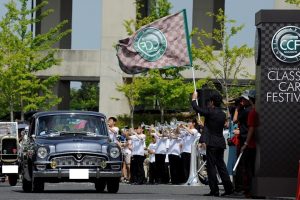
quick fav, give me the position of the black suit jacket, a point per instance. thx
(214, 124)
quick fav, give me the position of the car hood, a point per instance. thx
(73, 144)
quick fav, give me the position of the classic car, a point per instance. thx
(70, 146)
(9, 142)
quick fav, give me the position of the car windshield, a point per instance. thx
(52, 125)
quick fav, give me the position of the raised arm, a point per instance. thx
(202, 111)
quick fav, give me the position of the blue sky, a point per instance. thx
(243, 11)
(86, 23)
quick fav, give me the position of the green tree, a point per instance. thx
(295, 2)
(22, 55)
(226, 64)
(85, 98)
(167, 92)
(131, 91)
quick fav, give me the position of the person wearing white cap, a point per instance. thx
(249, 146)
(241, 118)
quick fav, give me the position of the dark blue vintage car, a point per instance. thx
(70, 146)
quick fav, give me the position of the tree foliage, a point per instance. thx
(225, 65)
(132, 92)
(22, 54)
(295, 2)
(168, 93)
(85, 98)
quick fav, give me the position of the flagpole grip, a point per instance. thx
(195, 89)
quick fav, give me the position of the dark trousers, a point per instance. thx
(152, 173)
(215, 161)
(175, 169)
(245, 171)
(160, 167)
(166, 176)
(186, 162)
(137, 169)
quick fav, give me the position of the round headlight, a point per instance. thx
(114, 152)
(42, 152)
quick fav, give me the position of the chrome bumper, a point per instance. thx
(64, 173)
(114, 170)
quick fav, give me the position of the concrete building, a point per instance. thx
(101, 65)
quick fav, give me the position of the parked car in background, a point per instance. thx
(9, 145)
(70, 146)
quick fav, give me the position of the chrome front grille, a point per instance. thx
(78, 161)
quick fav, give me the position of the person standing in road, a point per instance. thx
(160, 154)
(241, 118)
(126, 151)
(189, 135)
(152, 167)
(215, 120)
(174, 151)
(137, 172)
(249, 146)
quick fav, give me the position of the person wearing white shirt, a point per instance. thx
(152, 167)
(138, 155)
(126, 151)
(160, 155)
(174, 159)
(189, 135)
(113, 130)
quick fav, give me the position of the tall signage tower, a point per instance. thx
(278, 102)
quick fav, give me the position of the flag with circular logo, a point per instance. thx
(163, 43)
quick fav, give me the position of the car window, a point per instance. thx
(76, 123)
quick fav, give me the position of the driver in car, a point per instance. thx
(48, 126)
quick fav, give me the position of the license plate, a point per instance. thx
(10, 169)
(78, 174)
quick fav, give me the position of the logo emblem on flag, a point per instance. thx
(150, 43)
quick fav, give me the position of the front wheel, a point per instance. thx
(2, 179)
(100, 185)
(38, 185)
(113, 185)
(13, 179)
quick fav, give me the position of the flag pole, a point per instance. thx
(195, 90)
(193, 71)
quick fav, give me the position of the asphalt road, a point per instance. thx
(85, 191)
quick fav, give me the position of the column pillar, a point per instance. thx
(202, 21)
(62, 11)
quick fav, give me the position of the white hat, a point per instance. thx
(245, 95)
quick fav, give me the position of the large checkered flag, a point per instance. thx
(161, 44)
